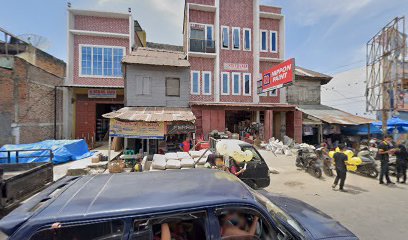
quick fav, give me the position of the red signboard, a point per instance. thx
(279, 75)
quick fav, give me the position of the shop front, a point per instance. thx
(151, 130)
(262, 121)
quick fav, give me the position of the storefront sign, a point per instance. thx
(101, 93)
(141, 130)
(180, 128)
(279, 76)
(236, 66)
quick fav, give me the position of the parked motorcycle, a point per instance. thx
(327, 162)
(308, 160)
(368, 165)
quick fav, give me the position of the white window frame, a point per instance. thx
(198, 84)
(233, 38)
(243, 84)
(222, 37)
(98, 46)
(212, 32)
(266, 41)
(203, 80)
(233, 83)
(244, 39)
(276, 41)
(264, 94)
(228, 83)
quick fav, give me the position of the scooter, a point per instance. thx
(308, 160)
(367, 166)
(327, 162)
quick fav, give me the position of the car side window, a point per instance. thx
(192, 226)
(110, 230)
(244, 224)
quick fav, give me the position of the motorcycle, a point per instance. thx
(327, 162)
(308, 160)
(368, 165)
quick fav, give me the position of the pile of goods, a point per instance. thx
(179, 160)
(281, 148)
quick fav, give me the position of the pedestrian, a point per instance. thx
(384, 150)
(236, 169)
(340, 159)
(186, 145)
(402, 163)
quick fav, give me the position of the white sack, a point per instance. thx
(187, 163)
(159, 164)
(173, 164)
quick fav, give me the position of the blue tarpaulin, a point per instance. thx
(394, 123)
(360, 130)
(63, 150)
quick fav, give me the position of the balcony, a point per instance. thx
(202, 46)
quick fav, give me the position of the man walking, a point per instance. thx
(340, 160)
(384, 149)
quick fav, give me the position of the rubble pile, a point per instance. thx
(285, 147)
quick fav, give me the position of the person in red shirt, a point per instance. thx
(186, 145)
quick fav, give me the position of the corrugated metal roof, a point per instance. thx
(332, 115)
(158, 57)
(152, 114)
(306, 73)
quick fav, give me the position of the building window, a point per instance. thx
(86, 61)
(195, 82)
(236, 40)
(247, 84)
(236, 83)
(173, 87)
(143, 85)
(202, 38)
(264, 41)
(107, 62)
(225, 83)
(274, 41)
(263, 94)
(225, 37)
(247, 39)
(209, 36)
(101, 61)
(273, 93)
(206, 83)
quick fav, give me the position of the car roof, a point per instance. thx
(235, 141)
(112, 195)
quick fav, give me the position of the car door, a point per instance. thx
(186, 225)
(256, 174)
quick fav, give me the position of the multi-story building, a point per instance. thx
(229, 44)
(97, 42)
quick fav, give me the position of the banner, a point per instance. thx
(141, 130)
(279, 76)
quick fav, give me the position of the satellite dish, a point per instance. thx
(35, 40)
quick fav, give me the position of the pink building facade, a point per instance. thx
(97, 42)
(229, 44)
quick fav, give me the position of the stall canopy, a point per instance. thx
(394, 123)
(360, 130)
(150, 122)
(333, 116)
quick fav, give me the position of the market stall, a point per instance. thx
(148, 130)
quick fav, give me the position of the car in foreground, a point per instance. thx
(181, 204)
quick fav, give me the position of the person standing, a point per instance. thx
(384, 150)
(186, 145)
(402, 163)
(340, 159)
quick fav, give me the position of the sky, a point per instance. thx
(329, 36)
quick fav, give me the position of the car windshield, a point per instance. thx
(253, 150)
(277, 213)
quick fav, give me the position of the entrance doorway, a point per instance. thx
(102, 124)
(234, 120)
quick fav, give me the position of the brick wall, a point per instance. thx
(270, 9)
(204, 2)
(201, 17)
(29, 91)
(270, 25)
(92, 40)
(101, 24)
(50, 64)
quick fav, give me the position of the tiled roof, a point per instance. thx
(158, 57)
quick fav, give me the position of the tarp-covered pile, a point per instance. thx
(63, 150)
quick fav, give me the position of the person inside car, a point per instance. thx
(235, 168)
(235, 224)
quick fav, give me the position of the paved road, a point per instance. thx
(369, 210)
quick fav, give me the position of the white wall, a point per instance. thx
(346, 91)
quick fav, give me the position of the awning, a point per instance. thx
(333, 116)
(152, 114)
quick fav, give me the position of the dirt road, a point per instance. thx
(369, 210)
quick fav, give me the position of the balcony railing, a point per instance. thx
(203, 46)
